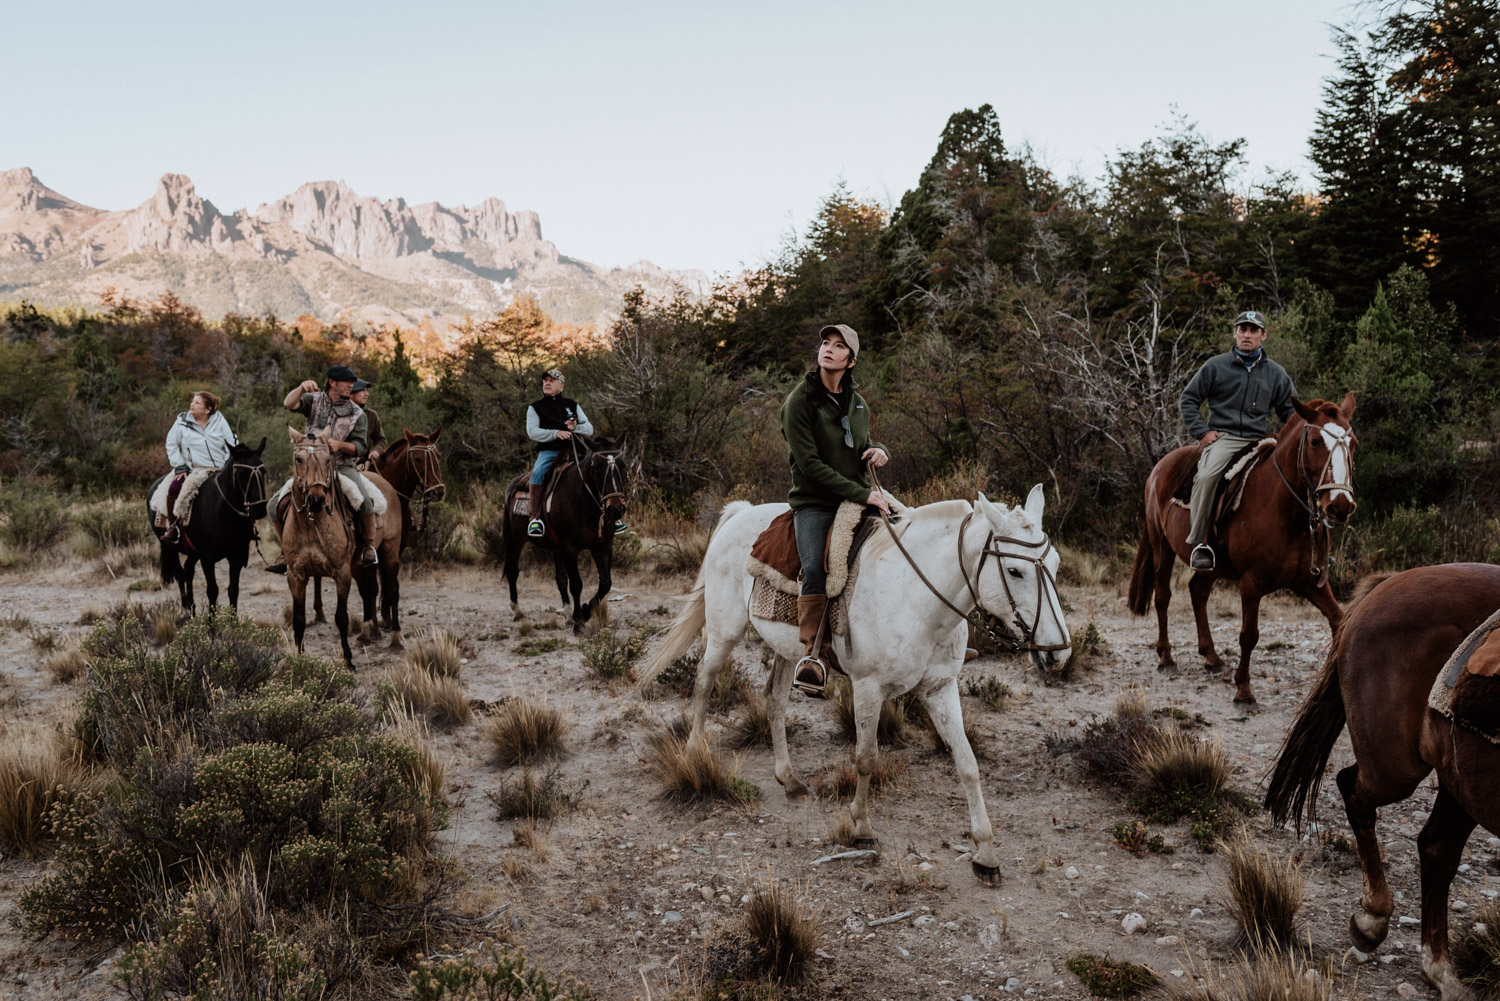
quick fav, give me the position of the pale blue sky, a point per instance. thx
(690, 134)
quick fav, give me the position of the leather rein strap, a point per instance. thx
(1315, 520)
(1043, 575)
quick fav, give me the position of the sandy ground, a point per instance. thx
(628, 888)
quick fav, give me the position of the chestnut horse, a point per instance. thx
(1396, 636)
(586, 497)
(1278, 539)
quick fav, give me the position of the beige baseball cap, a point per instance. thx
(846, 332)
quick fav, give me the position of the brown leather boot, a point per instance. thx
(278, 518)
(811, 671)
(369, 528)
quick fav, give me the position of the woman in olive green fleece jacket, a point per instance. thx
(826, 425)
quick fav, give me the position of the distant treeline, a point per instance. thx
(1016, 327)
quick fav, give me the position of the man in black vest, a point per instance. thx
(550, 422)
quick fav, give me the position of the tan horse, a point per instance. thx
(318, 538)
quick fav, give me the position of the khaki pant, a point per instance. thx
(1212, 462)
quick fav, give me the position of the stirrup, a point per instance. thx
(172, 534)
(278, 567)
(811, 689)
(370, 557)
(535, 529)
(1208, 551)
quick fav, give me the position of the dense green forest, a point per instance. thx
(1017, 327)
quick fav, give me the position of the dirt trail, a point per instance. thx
(630, 886)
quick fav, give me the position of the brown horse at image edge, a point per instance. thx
(1397, 634)
(1278, 539)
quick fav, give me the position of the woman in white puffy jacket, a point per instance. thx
(200, 438)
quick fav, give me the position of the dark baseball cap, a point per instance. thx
(341, 373)
(1252, 317)
(360, 384)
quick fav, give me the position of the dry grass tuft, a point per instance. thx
(529, 835)
(37, 769)
(1265, 894)
(430, 773)
(841, 830)
(1079, 566)
(515, 869)
(1476, 950)
(523, 731)
(893, 730)
(1178, 765)
(67, 664)
(690, 771)
(441, 699)
(990, 690)
(437, 652)
(610, 656)
(778, 922)
(681, 550)
(1283, 975)
(17, 622)
(753, 727)
(841, 782)
(535, 799)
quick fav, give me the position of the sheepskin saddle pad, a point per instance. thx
(190, 487)
(1232, 486)
(777, 569)
(1467, 689)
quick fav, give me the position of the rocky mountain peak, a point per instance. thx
(175, 219)
(351, 225)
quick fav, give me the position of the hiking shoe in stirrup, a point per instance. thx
(535, 529)
(810, 677)
(1203, 557)
(278, 567)
(620, 526)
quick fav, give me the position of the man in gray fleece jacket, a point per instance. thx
(1242, 387)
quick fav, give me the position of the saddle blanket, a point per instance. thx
(1467, 689)
(1232, 486)
(772, 604)
(190, 487)
(347, 484)
(774, 559)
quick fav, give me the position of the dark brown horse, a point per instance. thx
(1396, 635)
(1278, 539)
(584, 500)
(411, 471)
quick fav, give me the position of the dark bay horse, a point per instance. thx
(410, 471)
(220, 527)
(1278, 539)
(1396, 636)
(318, 537)
(585, 499)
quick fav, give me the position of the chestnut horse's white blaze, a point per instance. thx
(902, 637)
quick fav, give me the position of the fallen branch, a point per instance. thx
(886, 921)
(862, 853)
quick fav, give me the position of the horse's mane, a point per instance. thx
(882, 541)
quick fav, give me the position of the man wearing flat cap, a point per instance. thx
(1241, 387)
(551, 422)
(826, 425)
(349, 443)
(374, 432)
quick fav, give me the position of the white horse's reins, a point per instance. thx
(1043, 575)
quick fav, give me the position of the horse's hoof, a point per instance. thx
(867, 844)
(1368, 937)
(1246, 701)
(793, 787)
(396, 643)
(1168, 668)
(989, 875)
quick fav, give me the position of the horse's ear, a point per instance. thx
(406, 432)
(990, 509)
(261, 447)
(1035, 502)
(295, 435)
(1304, 411)
(1346, 409)
(434, 435)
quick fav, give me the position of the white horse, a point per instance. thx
(903, 634)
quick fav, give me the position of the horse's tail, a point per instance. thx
(1142, 577)
(171, 567)
(1293, 791)
(690, 621)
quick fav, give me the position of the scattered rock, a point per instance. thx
(1133, 923)
(1353, 955)
(989, 936)
(1460, 905)
(671, 917)
(926, 920)
(1196, 912)
(853, 924)
(951, 925)
(1013, 984)
(1407, 919)
(1406, 990)
(707, 892)
(925, 867)
(1167, 940)
(903, 953)
(1071, 872)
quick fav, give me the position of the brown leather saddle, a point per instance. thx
(777, 545)
(520, 503)
(1231, 488)
(1467, 690)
